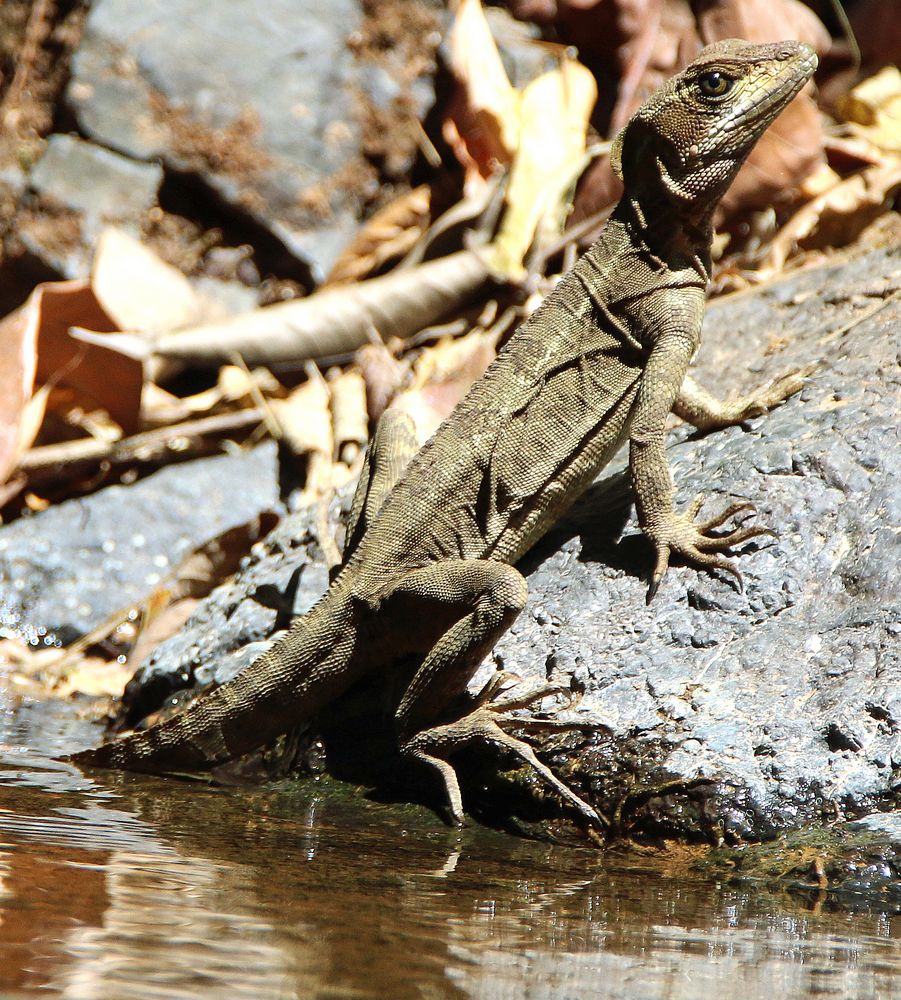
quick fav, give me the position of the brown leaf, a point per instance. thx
(483, 120)
(160, 626)
(18, 348)
(216, 560)
(383, 373)
(390, 233)
(838, 215)
(36, 340)
(878, 30)
(335, 321)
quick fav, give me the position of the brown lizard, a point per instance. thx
(428, 571)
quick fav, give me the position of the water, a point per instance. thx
(151, 888)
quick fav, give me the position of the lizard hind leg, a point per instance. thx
(489, 596)
(483, 725)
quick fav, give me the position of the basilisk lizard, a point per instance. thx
(428, 570)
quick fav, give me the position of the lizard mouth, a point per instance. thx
(762, 111)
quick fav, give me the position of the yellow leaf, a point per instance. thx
(873, 108)
(550, 157)
(137, 289)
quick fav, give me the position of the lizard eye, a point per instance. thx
(715, 84)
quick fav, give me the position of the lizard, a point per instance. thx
(428, 573)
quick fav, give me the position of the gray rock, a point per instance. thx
(65, 570)
(102, 187)
(521, 50)
(709, 713)
(259, 100)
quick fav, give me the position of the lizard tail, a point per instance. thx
(288, 684)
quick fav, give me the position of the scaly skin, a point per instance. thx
(428, 572)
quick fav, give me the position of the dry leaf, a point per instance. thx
(217, 559)
(332, 323)
(94, 676)
(483, 119)
(551, 154)
(350, 420)
(18, 348)
(873, 108)
(37, 340)
(304, 418)
(383, 374)
(137, 290)
(162, 625)
(390, 233)
(837, 216)
(234, 385)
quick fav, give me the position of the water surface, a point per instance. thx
(155, 888)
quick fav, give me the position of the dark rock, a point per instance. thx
(67, 569)
(101, 187)
(709, 713)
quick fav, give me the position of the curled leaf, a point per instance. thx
(390, 233)
(873, 108)
(350, 421)
(331, 323)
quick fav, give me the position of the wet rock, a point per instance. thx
(98, 187)
(261, 101)
(711, 713)
(67, 569)
(857, 863)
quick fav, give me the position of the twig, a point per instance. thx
(144, 447)
(37, 30)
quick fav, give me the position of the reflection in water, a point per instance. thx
(172, 925)
(148, 888)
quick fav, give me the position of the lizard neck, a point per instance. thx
(666, 232)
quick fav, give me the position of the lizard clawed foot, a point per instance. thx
(681, 534)
(768, 397)
(502, 680)
(776, 392)
(432, 746)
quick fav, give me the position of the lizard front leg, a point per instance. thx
(488, 596)
(663, 389)
(698, 407)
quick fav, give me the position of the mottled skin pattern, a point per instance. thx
(428, 571)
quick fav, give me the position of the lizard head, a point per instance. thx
(692, 136)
